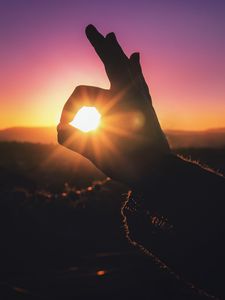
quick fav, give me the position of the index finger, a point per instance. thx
(110, 52)
(98, 41)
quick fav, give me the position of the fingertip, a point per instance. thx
(89, 29)
(59, 126)
(93, 35)
(62, 126)
(135, 57)
(66, 134)
(111, 35)
(67, 114)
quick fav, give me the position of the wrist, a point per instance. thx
(160, 171)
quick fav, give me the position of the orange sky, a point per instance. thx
(45, 54)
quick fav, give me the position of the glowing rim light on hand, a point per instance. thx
(87, 119)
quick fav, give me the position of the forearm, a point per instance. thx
(184, 221)
(178, 186)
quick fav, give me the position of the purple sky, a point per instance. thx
(44, 54)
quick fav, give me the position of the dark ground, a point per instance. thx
(61, 230)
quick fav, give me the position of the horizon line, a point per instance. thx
(164, 129)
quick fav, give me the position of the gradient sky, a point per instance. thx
(44, 54)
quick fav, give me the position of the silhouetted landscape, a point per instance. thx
(212, 138)
(61, 229)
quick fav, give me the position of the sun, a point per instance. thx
(87, 119)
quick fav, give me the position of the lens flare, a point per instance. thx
(87, 119)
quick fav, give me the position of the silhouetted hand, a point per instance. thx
(130, 147)
(129, 143)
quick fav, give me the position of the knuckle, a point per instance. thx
(79, 89)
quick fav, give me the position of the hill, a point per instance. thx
(44, 135)
(212, 138)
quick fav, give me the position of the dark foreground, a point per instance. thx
(62, 235)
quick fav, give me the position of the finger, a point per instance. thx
(137, 74)
(114, 59)
(116, 49)
(118, 69)
(83, 96)
(98, 42)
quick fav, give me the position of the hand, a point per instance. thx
(129, 143)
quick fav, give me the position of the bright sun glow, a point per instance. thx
(86, 119)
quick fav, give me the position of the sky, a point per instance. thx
(44, 55)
